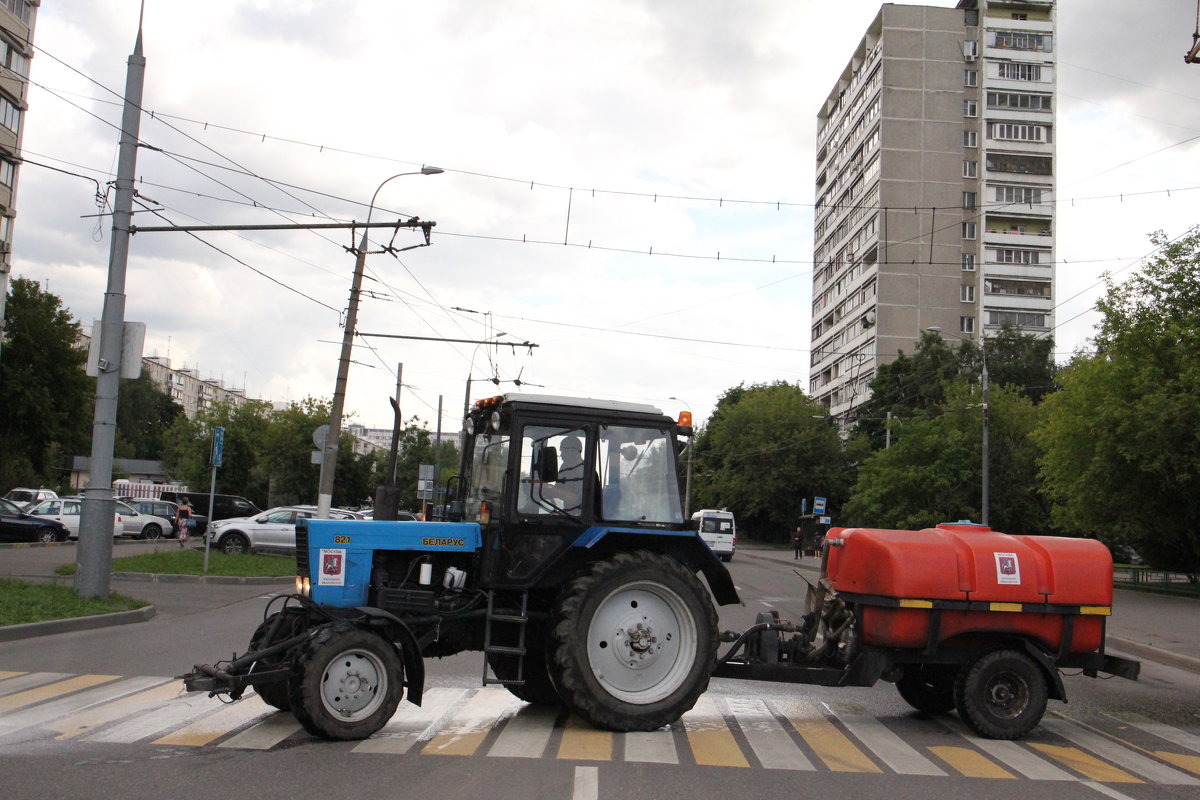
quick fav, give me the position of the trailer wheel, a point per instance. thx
(1001, 695)
(928, 687)
(635, 640)
(273, 694)
(346, 683)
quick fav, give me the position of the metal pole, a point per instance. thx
(986, 452)
(93, 557)
(329, 456)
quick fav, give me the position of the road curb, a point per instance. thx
(1156, 654)
(153, 577)
(11, 633)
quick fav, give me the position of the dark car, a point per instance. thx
(17, 526)
(166, 510)
(224, 506)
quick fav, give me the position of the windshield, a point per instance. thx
(637, 468)
(489, 460)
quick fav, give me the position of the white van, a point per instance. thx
(718, 530)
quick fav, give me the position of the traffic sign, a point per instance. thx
(218, 445)
(818, 505)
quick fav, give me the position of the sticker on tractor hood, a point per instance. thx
(333, 568)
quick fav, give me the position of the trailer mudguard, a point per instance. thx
(685, 546)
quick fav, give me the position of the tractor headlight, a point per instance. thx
(303, 586)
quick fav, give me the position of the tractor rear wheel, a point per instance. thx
(1001, 695)
(929, 687)
(635, 640)
(346, 683)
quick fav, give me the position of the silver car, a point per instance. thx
(274, 530)
(138, 525)
(67, 510)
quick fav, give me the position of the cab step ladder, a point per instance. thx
(510, 624)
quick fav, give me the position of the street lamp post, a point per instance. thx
(330, 451)
(983, 494)
(687, 490)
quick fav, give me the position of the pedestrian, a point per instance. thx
(798, 544)
(183, 521)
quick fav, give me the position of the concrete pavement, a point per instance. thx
(1146, 626)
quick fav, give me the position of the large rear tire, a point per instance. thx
(929, 688)
(635, 640)
(1001, 695)
(346, 683)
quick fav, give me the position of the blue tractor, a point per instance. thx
(567, 562)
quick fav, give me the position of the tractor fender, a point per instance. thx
(685, 546)
(410, 651)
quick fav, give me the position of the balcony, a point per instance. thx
(1010, 238)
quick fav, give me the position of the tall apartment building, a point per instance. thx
(934, 188)
(16, 36)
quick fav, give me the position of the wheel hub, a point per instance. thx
(350, 685)
(640, 644)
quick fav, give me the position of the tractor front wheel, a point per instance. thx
(346, 683)
(635, 640)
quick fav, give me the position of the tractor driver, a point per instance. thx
(569, 486)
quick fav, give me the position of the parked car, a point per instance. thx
(25, 498)
(166, 510)
(17, 526)
(224, 506)
(137, 525)
(67, 510)
(272, 531)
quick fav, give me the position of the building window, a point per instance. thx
(970, 169)
(1013, 71)
(969, 199)
(968, 262)
(1008, 255)
(1023, 164)
(970, 50)
(20, 9)
(966, 293)
(1032, 102)
(971, 16)
(1014, 132)
(968, 230)
(7, 171)
(971, 77)
(1018, 15)
(1016, 287)
(970, 108)
(12, 58)
(1019, 194)
(966, 324)
(1021, 40)
(1018, 319)
(10, 115)
(970, 138)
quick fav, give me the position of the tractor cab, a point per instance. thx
(540, 473)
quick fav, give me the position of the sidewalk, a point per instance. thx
(1145, 626)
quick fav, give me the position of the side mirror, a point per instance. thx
(629, 452)
(694, 525)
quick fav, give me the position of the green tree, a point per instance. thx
(765, 448)
(1122, 436)
(933, 472)
(145, 414)
(47, 397)
(243, 470)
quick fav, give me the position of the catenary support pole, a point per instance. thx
(93, 558)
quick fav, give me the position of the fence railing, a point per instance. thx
(1157, 580)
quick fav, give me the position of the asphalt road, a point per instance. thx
(1115, 738)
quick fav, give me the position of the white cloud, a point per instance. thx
(523, 101)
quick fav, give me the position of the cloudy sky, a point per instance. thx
(628, 183)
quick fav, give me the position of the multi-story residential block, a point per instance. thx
(934, 188)
(16, 49)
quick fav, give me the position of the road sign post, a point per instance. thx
(218, 457)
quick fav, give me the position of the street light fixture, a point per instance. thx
(983, 500)
(330, 451)
(687, 491)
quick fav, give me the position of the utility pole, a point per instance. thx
(93, 558)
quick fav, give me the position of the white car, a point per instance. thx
(274, 530)
(67, 510)
(137, 525)
(27, 498)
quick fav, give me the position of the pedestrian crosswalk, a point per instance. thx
(723, 730)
